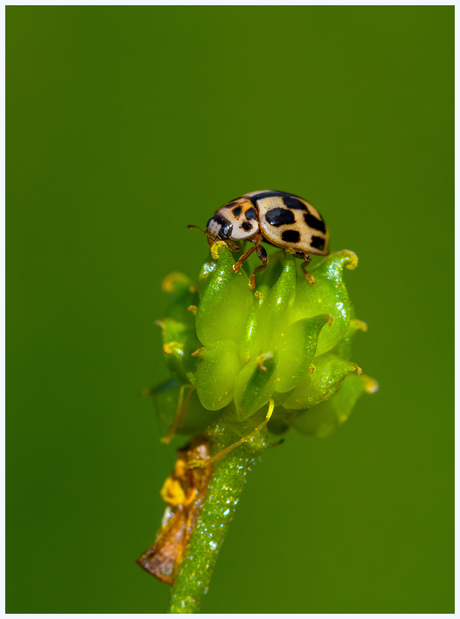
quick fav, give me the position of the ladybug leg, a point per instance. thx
(232, 246)
(180, 413)
(256, 240)
(304, 269)
(264, 259)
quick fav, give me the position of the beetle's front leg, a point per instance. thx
(304, 269)
(257, 239)
(231, 245)
(264, 259)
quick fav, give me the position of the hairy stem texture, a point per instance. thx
(216, 514)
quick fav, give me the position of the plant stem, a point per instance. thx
(217, 512)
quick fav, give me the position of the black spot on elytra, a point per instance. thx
(294, 203)
(291, 236)
(230, 204)
(246, 225)
(237, 211)
(317, 242)
(314, 223)
(280, 217)
(251, 213)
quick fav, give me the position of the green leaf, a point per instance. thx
(226, 301)
(254, 385)
(329, 370)
(328, 295)
(324, 418)
(218, 367)
(276, 307)
(296, 351)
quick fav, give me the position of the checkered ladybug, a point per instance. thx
(275, 217)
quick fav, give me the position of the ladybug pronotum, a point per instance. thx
(274, 217)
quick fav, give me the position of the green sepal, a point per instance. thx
(327, 295)
(232, 328)
(254, 385)
(166, 398)
(224, 306)
(296, 351)
(179, 342)
(206, 271)
(276, 307)
(328, 371)
(343, 348)
(182, 294)
(324, 418)
(250, 340)
(218, 367)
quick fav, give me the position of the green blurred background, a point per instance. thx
(125, 124)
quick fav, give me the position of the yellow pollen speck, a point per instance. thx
(197, 352)
(352, 259)
(371, 385)
(167, 348)
(168, 282)
(359, 324)
(215, 249)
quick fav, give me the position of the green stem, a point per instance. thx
(216, 513)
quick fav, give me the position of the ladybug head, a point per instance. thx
(219, 228)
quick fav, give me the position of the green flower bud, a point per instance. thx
(234, 349)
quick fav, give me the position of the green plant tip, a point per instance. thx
(288, 340)
(244, 363)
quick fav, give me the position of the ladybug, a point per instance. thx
(275, 217)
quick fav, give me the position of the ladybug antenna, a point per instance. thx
(202, 231)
